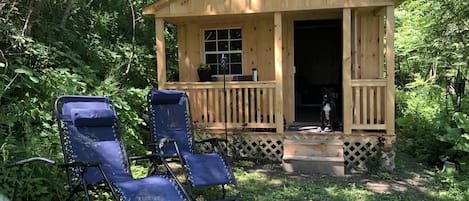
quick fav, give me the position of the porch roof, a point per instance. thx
(182, 8)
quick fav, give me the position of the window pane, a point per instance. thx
(211, 59)
(222, 45)
(210, 46)
(236, 69)
(214, 69)
(235, 33)
(226, 42)
(222, 34)
(210, 35)
(235, 58)
(236, 45)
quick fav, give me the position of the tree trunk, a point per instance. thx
(67, 12)
(129, 65)
(34, 8)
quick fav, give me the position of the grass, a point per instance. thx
(409, 181)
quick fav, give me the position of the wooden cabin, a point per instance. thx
(276, 58)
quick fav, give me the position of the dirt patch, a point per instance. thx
(408, 177)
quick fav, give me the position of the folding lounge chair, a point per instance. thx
(95, 155)
(171, 119)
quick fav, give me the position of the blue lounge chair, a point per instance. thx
(171, 119)
(95, 155)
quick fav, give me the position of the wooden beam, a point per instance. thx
(347, 69)
(278, 65)
(390, 70)
(170, 8)
(160, 53)
(354, 47)
(381, 46)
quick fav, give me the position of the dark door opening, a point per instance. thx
(318, 62)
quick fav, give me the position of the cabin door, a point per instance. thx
(318, 67)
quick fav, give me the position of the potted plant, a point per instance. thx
(205, 72)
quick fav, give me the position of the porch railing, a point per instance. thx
(247, 102)
(369, 104)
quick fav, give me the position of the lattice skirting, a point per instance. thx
(358, 151)
(254, 146)
(357, 148)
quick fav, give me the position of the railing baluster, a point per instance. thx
(365, 105)
(372, 105)
(271, 105)
(246, 105)
(253, 103)
(228, 105)
(357, 106)
(258, 105)
(368, 104)
(379, 102)
(216, 104)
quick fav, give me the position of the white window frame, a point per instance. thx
(226, 53)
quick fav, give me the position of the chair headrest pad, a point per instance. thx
(92, 117)
(166, 99)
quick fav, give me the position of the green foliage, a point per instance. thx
(417, 107)
(431, 59)
(88, 55)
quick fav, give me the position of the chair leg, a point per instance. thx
(108, 183)
(223, 190)
(85, 188)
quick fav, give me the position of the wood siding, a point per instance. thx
(258, 51)
(369, 44)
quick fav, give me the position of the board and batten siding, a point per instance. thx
(257, 36)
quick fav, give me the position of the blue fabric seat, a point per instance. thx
(95, 154)
(171, 119)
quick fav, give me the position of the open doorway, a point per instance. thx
(318, 62)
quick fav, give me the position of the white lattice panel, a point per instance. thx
(357, 148)
(253, 146)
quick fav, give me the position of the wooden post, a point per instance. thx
(390, 70)
(278, 72)
(347, 69)
(160, 53)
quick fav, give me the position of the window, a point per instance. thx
(227, 42)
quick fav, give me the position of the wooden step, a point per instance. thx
(327, 148)
(314, 165)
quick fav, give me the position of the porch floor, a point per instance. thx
(311, 128)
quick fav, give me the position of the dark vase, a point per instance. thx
(205, 75)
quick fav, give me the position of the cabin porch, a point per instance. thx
(253, 129)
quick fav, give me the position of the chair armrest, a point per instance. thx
(146, 157)
(211, 140)
(79, 164)
(30, 160)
